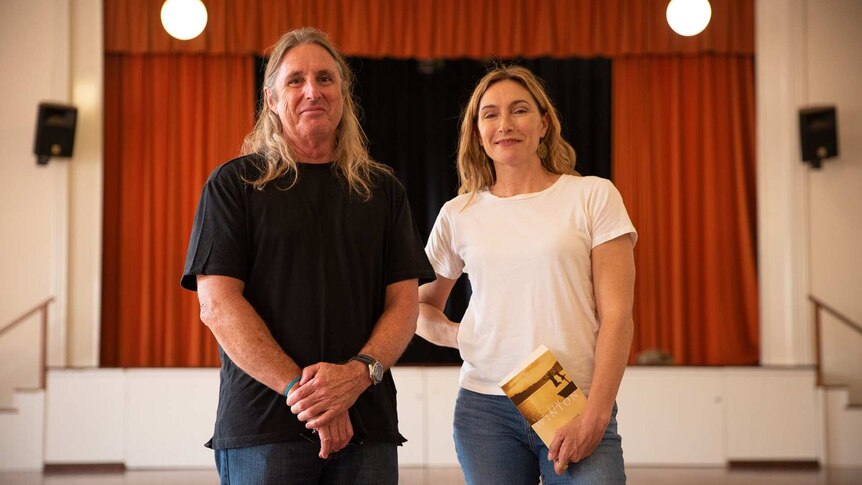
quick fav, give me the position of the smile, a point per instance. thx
(507, 142)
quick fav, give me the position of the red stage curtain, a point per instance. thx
(438, 28)
(684, 161)
(169, 120)
(683, 148)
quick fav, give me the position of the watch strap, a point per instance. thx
(375, 368)
(365, 359)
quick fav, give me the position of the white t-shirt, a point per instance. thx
(528, 260)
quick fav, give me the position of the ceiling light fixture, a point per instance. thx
(184, 19)
(688, 17)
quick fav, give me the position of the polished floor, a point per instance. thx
(452, 476)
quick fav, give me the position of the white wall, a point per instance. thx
(21, 369)
(809, 227)
(782, 223)
(150, 418)
(809, 52)
(86, 413)
(156, 418)
(50, 216)
(35, 64)
(85, 187)
(22, 432)
(841, 359)
(834, 77)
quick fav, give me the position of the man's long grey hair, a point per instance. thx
(351, 157)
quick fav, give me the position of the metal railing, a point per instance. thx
(818, 329)
(41, 308)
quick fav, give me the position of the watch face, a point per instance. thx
(376, 372)
(375, 368)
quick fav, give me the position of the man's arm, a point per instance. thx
(328, 390)
(396, 326)
(433, 325)
(242, 334)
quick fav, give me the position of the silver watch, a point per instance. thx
(375, 368)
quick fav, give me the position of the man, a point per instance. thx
(306, 259)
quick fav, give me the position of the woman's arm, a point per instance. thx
(613, 283)
(433, 325)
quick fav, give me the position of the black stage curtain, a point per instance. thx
(411, 114)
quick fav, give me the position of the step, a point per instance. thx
(843, 433)
(22, 431)
(843, 387)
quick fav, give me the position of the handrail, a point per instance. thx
(818, 305)
(835, 313)
(43, 340)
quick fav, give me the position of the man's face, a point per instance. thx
(307, 96)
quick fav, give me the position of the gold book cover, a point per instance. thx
(544, 393)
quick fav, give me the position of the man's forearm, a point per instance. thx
(248, 342)
(396, 326)
(329, 389)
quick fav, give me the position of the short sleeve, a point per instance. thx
(404, 256)
(218, 244)
(608, 215)
(441, 248)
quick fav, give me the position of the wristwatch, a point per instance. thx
(375, 368)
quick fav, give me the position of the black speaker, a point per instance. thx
(55, 131)
(818, 130)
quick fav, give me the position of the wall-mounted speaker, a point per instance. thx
(818, 131)
(55, 131)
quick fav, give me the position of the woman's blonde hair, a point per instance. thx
(351, 156)
(475, 170)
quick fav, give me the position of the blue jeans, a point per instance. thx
(296, 462)
(495, 444)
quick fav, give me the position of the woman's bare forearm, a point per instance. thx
(434, 327)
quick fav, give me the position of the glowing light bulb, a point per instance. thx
(688, 17)
(184, 19)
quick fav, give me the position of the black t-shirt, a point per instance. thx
(316, 260)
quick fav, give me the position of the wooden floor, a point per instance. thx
(452, 476)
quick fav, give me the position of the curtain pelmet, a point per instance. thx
(438, 28)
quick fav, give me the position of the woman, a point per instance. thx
(549, 257)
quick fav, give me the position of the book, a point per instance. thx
(544, 393)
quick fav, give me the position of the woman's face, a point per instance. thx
(510, 124)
